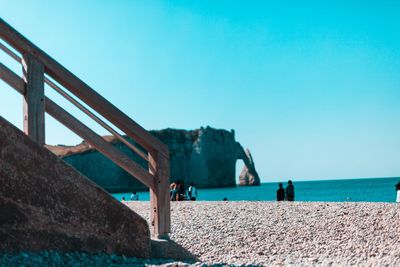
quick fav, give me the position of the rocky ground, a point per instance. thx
(54, 258)
(261, 234)
(287, 234)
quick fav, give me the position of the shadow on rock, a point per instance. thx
(169, 249)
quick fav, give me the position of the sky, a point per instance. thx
(312, 88)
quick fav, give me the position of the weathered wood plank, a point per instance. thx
(83, 91)
(96, 119)
(160, 211)
(99, 143)
(10, 53)
(33, 75)
(12, 79)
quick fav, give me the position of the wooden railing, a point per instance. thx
(38, 69)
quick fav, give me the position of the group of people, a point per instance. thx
(134, 197)
(179, 193)
(285, 194)
(288, 193)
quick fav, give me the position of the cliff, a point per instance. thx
(205, 156)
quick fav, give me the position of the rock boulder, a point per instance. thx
(45, 204)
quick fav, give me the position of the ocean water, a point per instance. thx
(350, 190)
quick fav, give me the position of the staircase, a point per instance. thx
(40, 69)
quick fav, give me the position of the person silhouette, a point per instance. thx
(192, 192)
(280, 193)
(173, 192)
(290, 191)
(398, 192)
(135, 196)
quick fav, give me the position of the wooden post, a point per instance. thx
(33, 75)
(160, 213)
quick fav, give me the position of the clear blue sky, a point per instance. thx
(312, 88)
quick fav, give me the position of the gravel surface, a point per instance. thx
(260, 234)
(286, 234)
(54, 258)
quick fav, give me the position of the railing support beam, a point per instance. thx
(160, 216)
(33, 75)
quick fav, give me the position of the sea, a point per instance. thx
(341, 190)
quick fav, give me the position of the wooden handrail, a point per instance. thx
(81, 107)
(12, 79)
(10, 53)
(99, 143)
(97, 119)
(36, 64)
(83, 131)
(83, 91)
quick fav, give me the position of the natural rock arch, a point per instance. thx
(248, 175)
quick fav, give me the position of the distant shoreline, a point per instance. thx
(341, 190)
(336, 179)
(117, 190)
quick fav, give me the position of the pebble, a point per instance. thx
(266, 233)
(263, 233)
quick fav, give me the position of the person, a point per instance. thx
(192, 192)
(180, 187)
(280, 193)
(398, 192)
(123, 200)
(173, 192)
(290, 191)
(134, 196)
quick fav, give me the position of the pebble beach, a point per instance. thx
(286, 233)
(262, 233)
